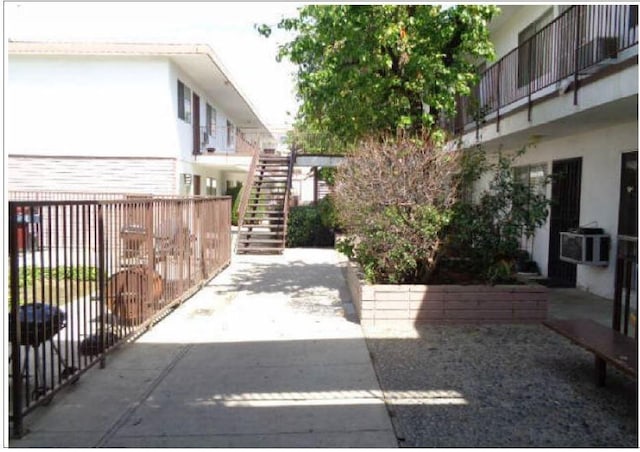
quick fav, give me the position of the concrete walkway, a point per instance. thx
(266, 355)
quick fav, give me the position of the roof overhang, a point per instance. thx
(197, 60)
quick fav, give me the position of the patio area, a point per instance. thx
(269, 354)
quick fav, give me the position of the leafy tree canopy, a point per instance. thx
(364, 69)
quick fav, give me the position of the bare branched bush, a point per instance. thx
(394, 197)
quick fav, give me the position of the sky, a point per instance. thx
(227, 27)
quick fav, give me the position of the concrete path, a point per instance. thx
(266, 355)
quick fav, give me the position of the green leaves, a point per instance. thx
(364, 69)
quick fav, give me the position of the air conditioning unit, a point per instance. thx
(207, 142)
(586, 246)
(597, 50)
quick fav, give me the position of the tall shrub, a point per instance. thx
(395, 198)
(486, 234)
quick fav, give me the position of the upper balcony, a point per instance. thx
(236, 155)
(584, 44)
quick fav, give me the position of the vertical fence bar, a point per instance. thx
(14, 331)
(101, 273)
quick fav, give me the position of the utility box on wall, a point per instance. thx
(585, 246)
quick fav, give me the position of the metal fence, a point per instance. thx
(564, 50)
(86, 275)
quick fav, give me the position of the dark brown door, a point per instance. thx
(196, 124)
(565, 215)
(196, 184)
(628, 215)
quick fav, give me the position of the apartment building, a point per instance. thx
(125, 117)
(565, 84)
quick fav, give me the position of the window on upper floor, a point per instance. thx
(184, 102)
(211, 121)
(231, 134)
(532, 51)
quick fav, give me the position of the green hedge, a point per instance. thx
(236, 197)
(305, 228)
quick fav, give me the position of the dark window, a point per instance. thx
(184, 102)
(211, 121)
(231, 135)
(532, 49)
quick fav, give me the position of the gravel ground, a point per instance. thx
(500, 386)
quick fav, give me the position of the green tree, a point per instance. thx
(366, 69)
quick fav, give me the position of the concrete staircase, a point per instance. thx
(263, 228)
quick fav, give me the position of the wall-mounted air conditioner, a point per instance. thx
(586, 246)
(207, 142)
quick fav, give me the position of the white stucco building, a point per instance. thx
(136, 118)
(565, 82)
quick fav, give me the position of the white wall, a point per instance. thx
(601, 151)
(184, 129)
(97, 106)
(505, 39)
(81, 174)
(89, 106)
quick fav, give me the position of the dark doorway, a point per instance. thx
(196, 124)
(565, 215)
(196, 185)
(628, 215)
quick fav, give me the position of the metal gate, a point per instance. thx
(565, 215)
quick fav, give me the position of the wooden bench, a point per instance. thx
(608, 345)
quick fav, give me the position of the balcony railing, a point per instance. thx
(566, 50)
(87, 275)
(209, 144)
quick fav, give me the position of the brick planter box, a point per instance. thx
(386, 305)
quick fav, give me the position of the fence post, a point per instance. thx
(14, 332)
(102, 268)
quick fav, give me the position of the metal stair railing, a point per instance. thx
(246, 191)
(292, 159)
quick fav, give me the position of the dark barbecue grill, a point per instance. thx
(39, 322)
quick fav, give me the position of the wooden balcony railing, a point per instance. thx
(565, 50)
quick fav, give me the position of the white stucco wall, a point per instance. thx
(184, 129)
(601, 151)
(99, 106)
(505, 38)
(89, 106)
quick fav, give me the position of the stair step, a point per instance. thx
(260, 234)
(282, 160)
(266, 242)
(264, 204)
(265, 212)
(260, 251)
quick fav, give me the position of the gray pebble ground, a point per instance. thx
(504, 386)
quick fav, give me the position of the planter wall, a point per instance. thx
(386, 305)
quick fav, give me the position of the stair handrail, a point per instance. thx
(292, 159)
(246, 189)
